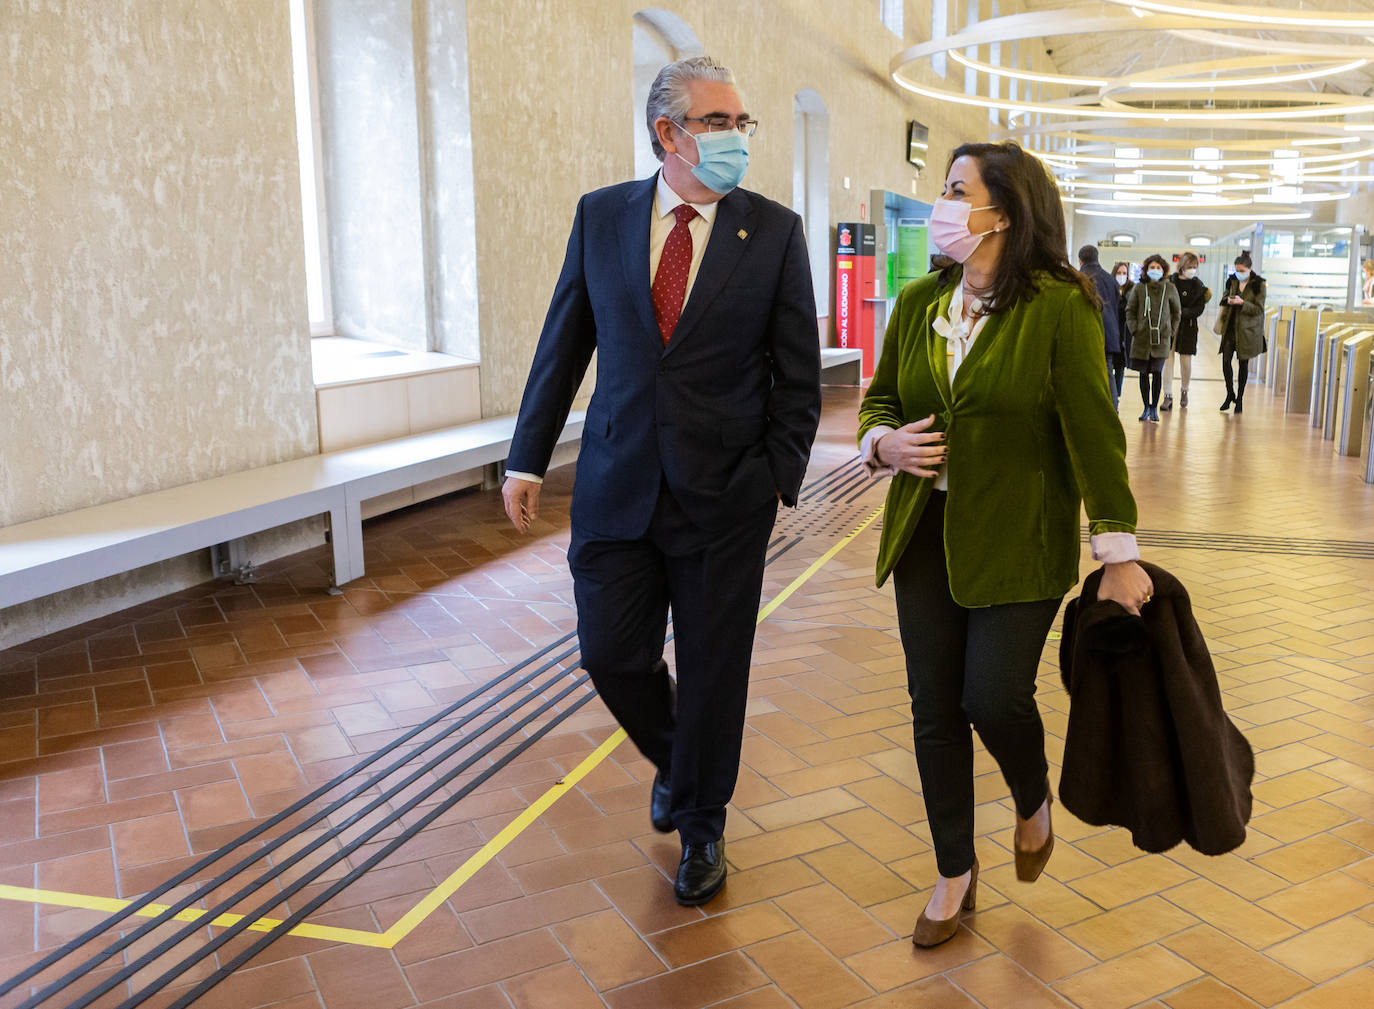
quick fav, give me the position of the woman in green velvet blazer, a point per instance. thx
(991, 410)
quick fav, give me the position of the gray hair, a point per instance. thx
(668, 94)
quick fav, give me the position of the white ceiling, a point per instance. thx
(1118, 55)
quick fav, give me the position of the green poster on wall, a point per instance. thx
(913, 258)
(892, 287)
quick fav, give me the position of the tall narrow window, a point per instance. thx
(893, 13)
(939, 28)
(970, 75)
(994, 82)
(660, 37)
(308, 142)
(811, 186)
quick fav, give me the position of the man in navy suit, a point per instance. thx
(697, 297)
(1089, 264)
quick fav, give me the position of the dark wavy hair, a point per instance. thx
(1036, 241)
(1156, 258)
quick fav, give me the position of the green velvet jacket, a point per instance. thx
(1031, 434)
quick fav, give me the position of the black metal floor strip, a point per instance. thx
(832, 475)
(372, 862)
(314, 872)
(794, 542)
(223, 851)
(839, 490)
(227, 904)
(863, 489)
(833, 484)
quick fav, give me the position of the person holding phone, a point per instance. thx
(1241, 327)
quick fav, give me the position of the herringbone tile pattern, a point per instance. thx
(128, 748)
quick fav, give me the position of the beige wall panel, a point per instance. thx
(551, 86)
(448, 484)
(403, 498)
(443, 399)
(353, 415)
(152, 309)
(153, 323)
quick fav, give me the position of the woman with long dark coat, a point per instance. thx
(1241, 325)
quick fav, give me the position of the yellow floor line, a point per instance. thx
(109, 905)
(512, 830)
(436, 897)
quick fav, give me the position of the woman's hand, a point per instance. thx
(913, 449)
(1126, 583)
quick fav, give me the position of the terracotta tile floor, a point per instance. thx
(132, 747)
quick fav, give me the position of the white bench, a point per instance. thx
(842, 363)
(405, 462)
(49, 555)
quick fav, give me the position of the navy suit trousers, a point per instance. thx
(711, 580)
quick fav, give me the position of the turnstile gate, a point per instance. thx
(1302, 351)
(1325, 376)
(1355, 371)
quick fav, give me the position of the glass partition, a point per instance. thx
(1308, 265)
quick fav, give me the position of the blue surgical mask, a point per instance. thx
(1242, 276)
(722, 157)
(1155, 274)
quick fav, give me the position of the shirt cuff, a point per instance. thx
(524, 476)
(1115, 548)
(870, 438)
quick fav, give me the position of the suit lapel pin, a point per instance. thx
(742, 233)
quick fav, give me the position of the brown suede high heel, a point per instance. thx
(1030, 864)
(931, 932)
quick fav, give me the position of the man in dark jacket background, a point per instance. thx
(1089, 265)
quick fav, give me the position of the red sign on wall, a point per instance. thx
(855, 289)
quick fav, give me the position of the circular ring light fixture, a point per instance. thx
(1128, 214)
(1302, 159)
(1255, 101)
(1267, 16)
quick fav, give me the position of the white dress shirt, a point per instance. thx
(661, 222)
(959, 335)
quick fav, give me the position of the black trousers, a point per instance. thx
(1116, 370)
(966, 669)
(711, 579)
(1149, 388)
(1229, 375)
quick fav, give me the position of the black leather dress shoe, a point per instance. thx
(660, 806)
(701, 873)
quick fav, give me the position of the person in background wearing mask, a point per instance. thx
(1193, 296)
(1153, 312)
(989, 408)
(1091, 268)
(1241, 326)
(696, 297)
(1121, 273)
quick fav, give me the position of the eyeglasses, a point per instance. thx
(715, 123)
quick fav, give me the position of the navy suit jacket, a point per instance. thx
(1107, 291)
(726, 413)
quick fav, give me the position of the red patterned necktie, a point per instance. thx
(670, 282)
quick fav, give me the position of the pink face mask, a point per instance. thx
(949, 228)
